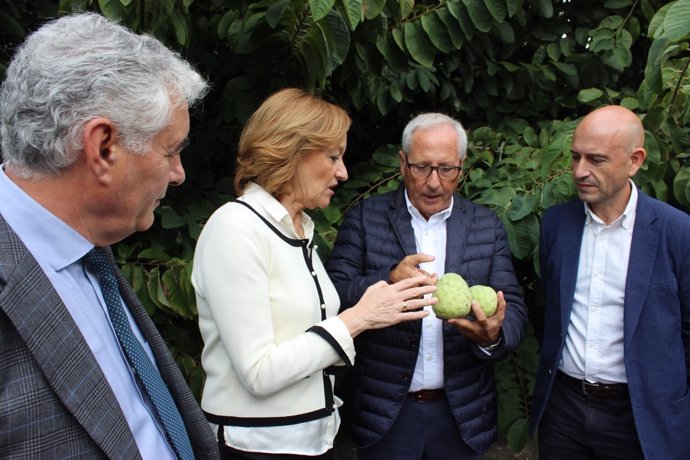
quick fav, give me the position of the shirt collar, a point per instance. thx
(51, 241)
(276, 210)
(626, 219)
(440, 216)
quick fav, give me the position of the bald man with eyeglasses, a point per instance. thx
(425, 389)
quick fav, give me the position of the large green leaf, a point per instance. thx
(619, 59)
(437, 32)
(337, 39)
(521, 207)
(170, 218)
(518, 435)
(373, 8)
(504, 31)
(353, 12)
(656, 24)
(154, 253)
(589, 94)
(135, 275)
(479, 14)
(681, 186)
(453, 27)
(513, 7)
(459, 11)
(523, 236)
(406, 8)
(274, 12)
(180, 26)
(395, 57)
(497, 8)
(174, 294)
(112, 9)
(418, 44)
(387, 155)
(320, 8)
(677, 21)
(655, 60)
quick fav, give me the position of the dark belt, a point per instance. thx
(595, 390)
(427, 395)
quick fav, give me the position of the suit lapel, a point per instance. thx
(643, 250)
(401, 223)
(58, 347)
(456, 236)
(571, 228)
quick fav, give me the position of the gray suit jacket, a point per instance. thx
(54, 399)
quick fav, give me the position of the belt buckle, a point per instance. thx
(584, 384)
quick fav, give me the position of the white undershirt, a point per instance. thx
(594, 341)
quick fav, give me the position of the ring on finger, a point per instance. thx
(404, 306)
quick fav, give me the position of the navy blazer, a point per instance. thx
(656, 318)
(54, 399)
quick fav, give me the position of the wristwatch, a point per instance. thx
(494, 346)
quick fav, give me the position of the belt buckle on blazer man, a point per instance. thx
(615, 267)
(426, 225)
(93, 119)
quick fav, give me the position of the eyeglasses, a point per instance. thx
(423, 170)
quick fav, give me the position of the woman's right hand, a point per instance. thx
(384, 304)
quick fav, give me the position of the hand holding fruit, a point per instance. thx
(455, 297)
(456, 300)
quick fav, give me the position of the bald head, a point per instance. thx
(607, 150)
(620, 126)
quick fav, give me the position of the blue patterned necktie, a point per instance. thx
(148, 374)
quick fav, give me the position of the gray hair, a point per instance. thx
(81, 67)
(429, 120)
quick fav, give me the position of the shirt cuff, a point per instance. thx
(492, 347)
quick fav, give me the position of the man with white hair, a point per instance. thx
(425, 389)
(93, 119)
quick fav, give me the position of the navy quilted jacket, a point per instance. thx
(375, 235)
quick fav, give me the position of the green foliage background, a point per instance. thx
(517, 73)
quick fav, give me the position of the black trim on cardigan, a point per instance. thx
(291, 241)
(321, 332)
(250, 422)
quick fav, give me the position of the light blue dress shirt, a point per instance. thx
(59, 249)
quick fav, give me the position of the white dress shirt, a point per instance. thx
(430, 238)
(594, 341)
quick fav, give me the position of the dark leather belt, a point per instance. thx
(595, 390)
(427, 395)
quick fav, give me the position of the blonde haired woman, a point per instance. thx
(268, 312)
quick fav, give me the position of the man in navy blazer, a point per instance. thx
(92, 119)
(614, 376)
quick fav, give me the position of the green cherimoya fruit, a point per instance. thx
(486, 297)
(453, 294)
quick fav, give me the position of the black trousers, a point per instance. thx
(580, 427)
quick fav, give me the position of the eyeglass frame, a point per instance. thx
(438, 169)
